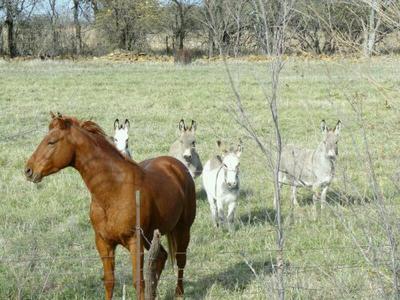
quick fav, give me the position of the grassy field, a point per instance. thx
(47, 248)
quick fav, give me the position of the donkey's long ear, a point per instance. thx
(221, 147)
(116, 124)
(239, 149)
(338, 127)
(193, 126)
(324, 129)
(182, 126)
(127, 124)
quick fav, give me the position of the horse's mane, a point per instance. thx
(96, 132)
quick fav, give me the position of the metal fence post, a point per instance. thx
(138, 237)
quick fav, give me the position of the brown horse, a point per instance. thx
(168, 200)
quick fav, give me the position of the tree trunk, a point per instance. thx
(53, 28)
(12, 46)
(181, 27)
(372, 28)
(181, 38)
(210, 44)
(78, 38)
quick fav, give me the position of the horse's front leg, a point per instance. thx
(107, 255)
(137, 277)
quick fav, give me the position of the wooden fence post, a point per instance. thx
(151, 279)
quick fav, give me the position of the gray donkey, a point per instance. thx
(311, 168)
(184, 149)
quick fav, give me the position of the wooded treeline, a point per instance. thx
(50, 28)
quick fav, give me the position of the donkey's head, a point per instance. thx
(331, 139)
(55, 152)
(231, 163)
(187, 139)
(121, 136)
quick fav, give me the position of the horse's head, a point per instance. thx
(54, 152)
(331, 139)
(121, 136)
(187, 139)
(231, 163)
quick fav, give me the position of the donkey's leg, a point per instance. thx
(316, 200)
(136, 277)
(182, 237)
(213, 209)
(294, 198)
(220, 208)
(231, 215)
(323, 196)
(107, 255)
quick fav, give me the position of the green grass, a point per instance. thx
(47, 246)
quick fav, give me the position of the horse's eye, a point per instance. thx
(225, 166)
(52, 142)
(193, 144)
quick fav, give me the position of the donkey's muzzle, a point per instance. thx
(188, 158)
(231, 185)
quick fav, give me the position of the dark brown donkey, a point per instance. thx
(167, 193)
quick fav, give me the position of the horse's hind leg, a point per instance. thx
(182, 237)
(161, 259)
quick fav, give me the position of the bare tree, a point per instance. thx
(53, 21)
(182, 10)
(78, 37)
(271, 149)
(13, 12)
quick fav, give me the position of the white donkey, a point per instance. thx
(221, 183)
(184, 149)
(121, 137)
(311, 168)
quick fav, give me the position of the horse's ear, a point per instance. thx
(52, 115)
(338, 127)
(193, 126)
(182, 126)
(324, 129)
(116, 124)
(127, 124)
(63, 123)
(239, 149)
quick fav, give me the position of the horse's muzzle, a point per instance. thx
(31, 176)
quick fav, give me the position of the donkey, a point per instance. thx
(311, 168)
(221, 183)
(121, 137)
(184, 149)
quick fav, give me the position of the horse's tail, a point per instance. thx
(171, 248)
